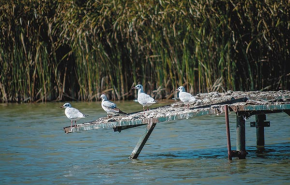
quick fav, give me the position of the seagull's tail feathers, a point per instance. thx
(121, 112)
(84, 116)
(152, 100)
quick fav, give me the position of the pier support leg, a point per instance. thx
(260, 133)
(241, 136)
(287, 112)
(228, 132)
(142, 141)
(260, 130)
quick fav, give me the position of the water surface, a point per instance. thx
(35, 150)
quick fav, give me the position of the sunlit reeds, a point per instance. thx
(52, 50)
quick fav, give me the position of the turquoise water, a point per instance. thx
(35, 150)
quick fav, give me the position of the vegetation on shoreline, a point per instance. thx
(68, 50)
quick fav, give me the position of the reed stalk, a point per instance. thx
(72, 50)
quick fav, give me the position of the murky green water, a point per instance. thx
(35, 150)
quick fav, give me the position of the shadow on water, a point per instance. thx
(275, 151)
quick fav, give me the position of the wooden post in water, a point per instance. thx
(142, 141)
(241, 136)
(260, 134)
(228, 133)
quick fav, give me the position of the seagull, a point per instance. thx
(110, 107)
(72, 113)
(144, 99)
(185, 97)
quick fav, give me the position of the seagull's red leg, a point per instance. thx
(71, 123)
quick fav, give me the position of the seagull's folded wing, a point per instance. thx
(75, 113)
(186, 97)
(109, 105)
(145, 98)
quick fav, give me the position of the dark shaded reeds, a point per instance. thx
(52, 50)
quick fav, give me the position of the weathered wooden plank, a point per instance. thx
(120, 128)
(266, 107)
(171, 114)
(101, 125)
(143, 139)
(207, 103)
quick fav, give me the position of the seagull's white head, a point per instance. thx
(104, 97)
(66, 105)
(139, 86)
(181, 89)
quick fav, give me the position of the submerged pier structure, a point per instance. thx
(244, 104)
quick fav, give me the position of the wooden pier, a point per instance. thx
(244, 104)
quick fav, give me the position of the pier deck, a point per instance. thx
(244, 104)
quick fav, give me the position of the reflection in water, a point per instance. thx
(35, 150)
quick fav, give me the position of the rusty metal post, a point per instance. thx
(241, 136)
(142, 141)
(228, 133)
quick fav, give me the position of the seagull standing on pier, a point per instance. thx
(185, 97)
(144, 99)
(72, 113)
(110, 107)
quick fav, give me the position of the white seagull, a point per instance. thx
(185, 97)
(72, 113)
(144, 99)
(110, 107)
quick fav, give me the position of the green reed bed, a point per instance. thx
(75, 50)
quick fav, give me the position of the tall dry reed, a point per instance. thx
(75, 50)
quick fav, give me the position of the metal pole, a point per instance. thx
(228, 133)
(241, 136)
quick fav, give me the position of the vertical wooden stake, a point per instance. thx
(241, 136)
(228, 133)
(142, 141)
